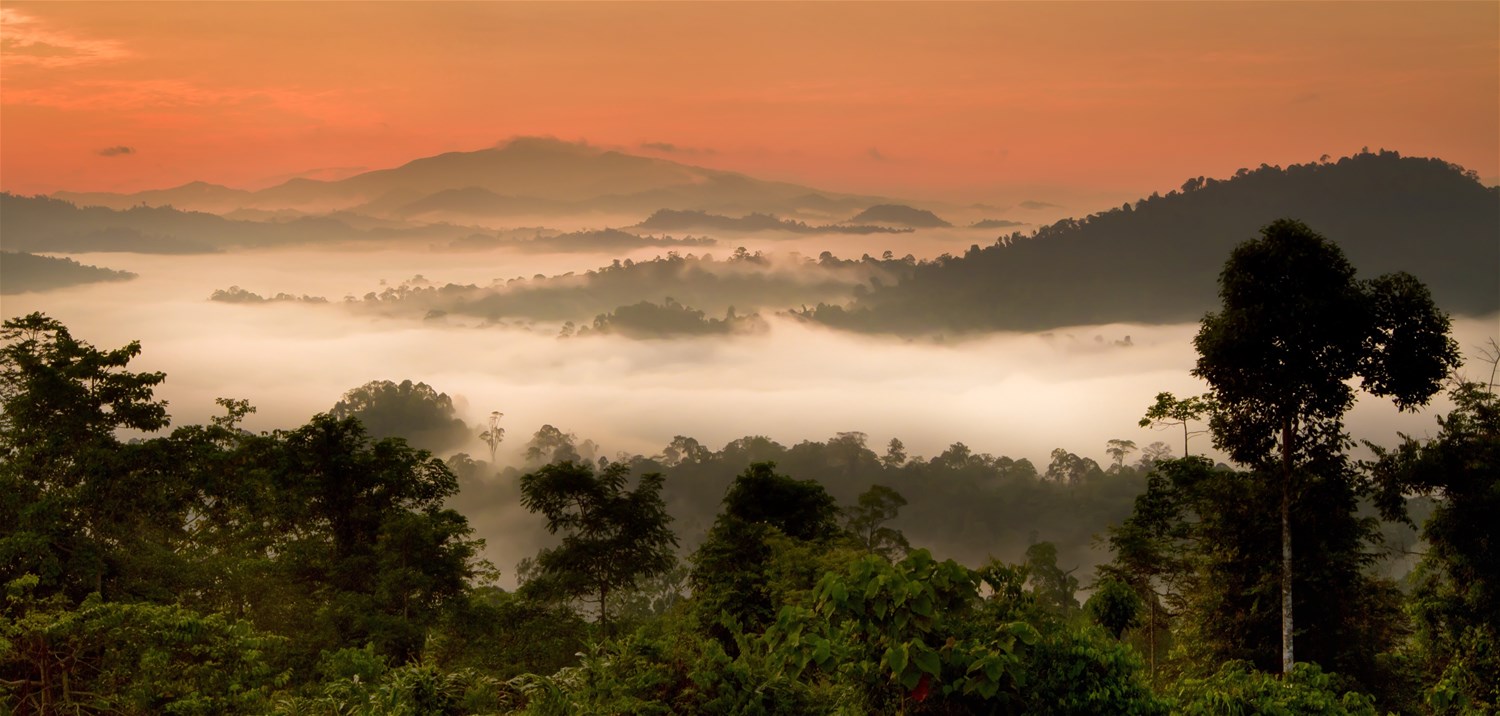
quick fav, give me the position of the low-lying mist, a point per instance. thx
(1017, 395)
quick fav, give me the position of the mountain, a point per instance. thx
(21, 272)
(198, 195)
(899, 215)
(527, 176)
(1158, 260)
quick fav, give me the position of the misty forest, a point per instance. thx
(1252, 429)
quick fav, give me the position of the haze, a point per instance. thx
(1086, 104)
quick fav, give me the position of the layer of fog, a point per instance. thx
(1019, 395)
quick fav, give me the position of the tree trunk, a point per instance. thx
(1286, 548)
(1151, 630)
(603, 613)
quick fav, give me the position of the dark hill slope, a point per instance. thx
(1158, 261)
(22, 272)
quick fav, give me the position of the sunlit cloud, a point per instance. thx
(27, 41)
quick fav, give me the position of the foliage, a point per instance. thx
(1456, 599)
(414, 412)
(116, 657)
(866, 521)
(1054, 587)
(1115, 606)
(744, 562)
(917, 636)
(506, 634)
(1169, 411)
(73, 498)
(613, 537)
(1237, 689)
(1294, 328)
(1197, 548)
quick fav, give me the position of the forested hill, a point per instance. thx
(1157, 261)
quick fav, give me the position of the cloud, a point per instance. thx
(27, 41)
(1029, 204)
(875, 154)
(670, 148)
(116, 151)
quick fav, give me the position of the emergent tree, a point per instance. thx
(1294, 328)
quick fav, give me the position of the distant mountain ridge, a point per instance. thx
(1157, 260)
(525, 176)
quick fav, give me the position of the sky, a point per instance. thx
(932, 101)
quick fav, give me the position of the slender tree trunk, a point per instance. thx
(603, 613)
(1152, 631)
(1286, 548)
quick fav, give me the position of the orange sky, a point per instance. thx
(967, 101)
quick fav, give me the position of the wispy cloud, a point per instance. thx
(27, 41)
(116, 151)
(875, 154)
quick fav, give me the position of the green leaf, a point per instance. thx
(927, 660)
(896, 658)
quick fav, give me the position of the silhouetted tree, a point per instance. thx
(1294, 327)
(613, 536)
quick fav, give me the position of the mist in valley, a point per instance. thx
(1017, 395)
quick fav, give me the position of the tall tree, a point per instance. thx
(613, 536)
(1294, 327)
(1170, 411)
(1118, 450)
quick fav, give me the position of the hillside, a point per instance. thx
(22, 273)
(1158, 260)
(900, 215)
(47, 224)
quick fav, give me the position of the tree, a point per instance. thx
(1054, 587)
(73, 497)
(1152, 454)
(1168, 411)
(1295, 325)
(1115, 606)
(895, 454)
(414, 412)
(766, 516)
(363, 521)
(1118, 450)
(866, 520)
(613, 538)
(550, 445)
(494, 434)
(1456, 599)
